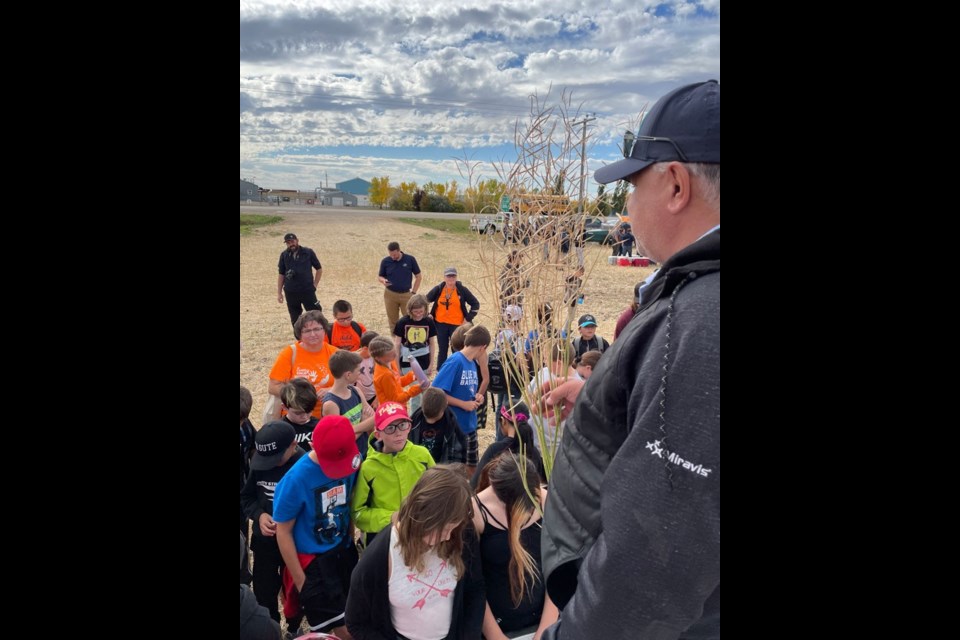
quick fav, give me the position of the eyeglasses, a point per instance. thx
(638, 139)
(313, 330)
(391, 429)
(347, 319)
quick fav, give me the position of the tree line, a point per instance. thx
(446, 197)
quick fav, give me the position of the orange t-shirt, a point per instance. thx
(448, 307)
(312, 365)
(389, 384)
(345, 337)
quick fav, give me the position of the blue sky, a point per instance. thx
(339, 89)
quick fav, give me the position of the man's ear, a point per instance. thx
(680, 182)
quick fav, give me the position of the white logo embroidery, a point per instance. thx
(656, 450)
(390, 408)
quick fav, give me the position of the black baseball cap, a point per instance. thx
(289, 237)
(271, 442)
(587, 320)
(683, 125)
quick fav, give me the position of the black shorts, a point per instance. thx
(324, 593)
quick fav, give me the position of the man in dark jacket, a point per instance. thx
(631, 538)
(296, 277)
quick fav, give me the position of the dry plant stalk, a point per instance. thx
(538, 263)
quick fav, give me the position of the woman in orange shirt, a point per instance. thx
(450, 301)
(309, 358)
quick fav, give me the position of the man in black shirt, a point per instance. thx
(296, 278)
(400, 276)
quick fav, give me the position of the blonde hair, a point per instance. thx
(516, 484)
(381, 345)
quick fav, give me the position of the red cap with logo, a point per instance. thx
(336, 447)
(388, 413)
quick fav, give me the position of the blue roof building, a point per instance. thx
(357, 186)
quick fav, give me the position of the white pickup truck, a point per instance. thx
(489, 224)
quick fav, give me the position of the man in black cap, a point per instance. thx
(276, 451)
(296, 279)
(640, 558)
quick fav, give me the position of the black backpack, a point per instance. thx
(601, 344)
(498, 378)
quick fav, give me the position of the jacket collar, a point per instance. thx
(701, 257)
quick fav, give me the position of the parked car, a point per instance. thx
(601, 229)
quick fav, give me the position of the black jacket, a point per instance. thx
(256, 497)
(466, 297)
(368, 603)
(443, 439)
(634, 504)
(255, 621)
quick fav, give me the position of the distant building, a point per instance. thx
(337, 198)
(249, 191)
(357, 186)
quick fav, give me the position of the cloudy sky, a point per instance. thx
(345, 88)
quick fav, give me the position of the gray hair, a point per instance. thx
(708, 177)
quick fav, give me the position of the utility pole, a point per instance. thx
(583, 156)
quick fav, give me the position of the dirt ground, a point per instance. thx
(350, 247)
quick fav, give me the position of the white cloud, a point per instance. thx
(321, 75)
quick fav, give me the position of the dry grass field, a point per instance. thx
(350, 247)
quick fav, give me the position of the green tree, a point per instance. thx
(619, 203)
(380, 191)
(402, 198)
(603, 207)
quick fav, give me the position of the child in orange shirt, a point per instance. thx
(387, 381)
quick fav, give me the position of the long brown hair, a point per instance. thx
(441, 496)
(516, 484)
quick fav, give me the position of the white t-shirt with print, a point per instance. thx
(421, 604)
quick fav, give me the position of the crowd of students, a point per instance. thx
(353, 463)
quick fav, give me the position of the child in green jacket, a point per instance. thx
(392, 467)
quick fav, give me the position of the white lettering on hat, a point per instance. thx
(356, 461)
(270, 446)
(391, 408)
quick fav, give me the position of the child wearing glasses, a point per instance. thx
(345, 332)
(392, 467)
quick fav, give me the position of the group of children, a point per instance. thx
(344, 468)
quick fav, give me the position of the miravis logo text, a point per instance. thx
(656, 450)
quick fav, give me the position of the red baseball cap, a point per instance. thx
(388, 413)
(336, 447)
